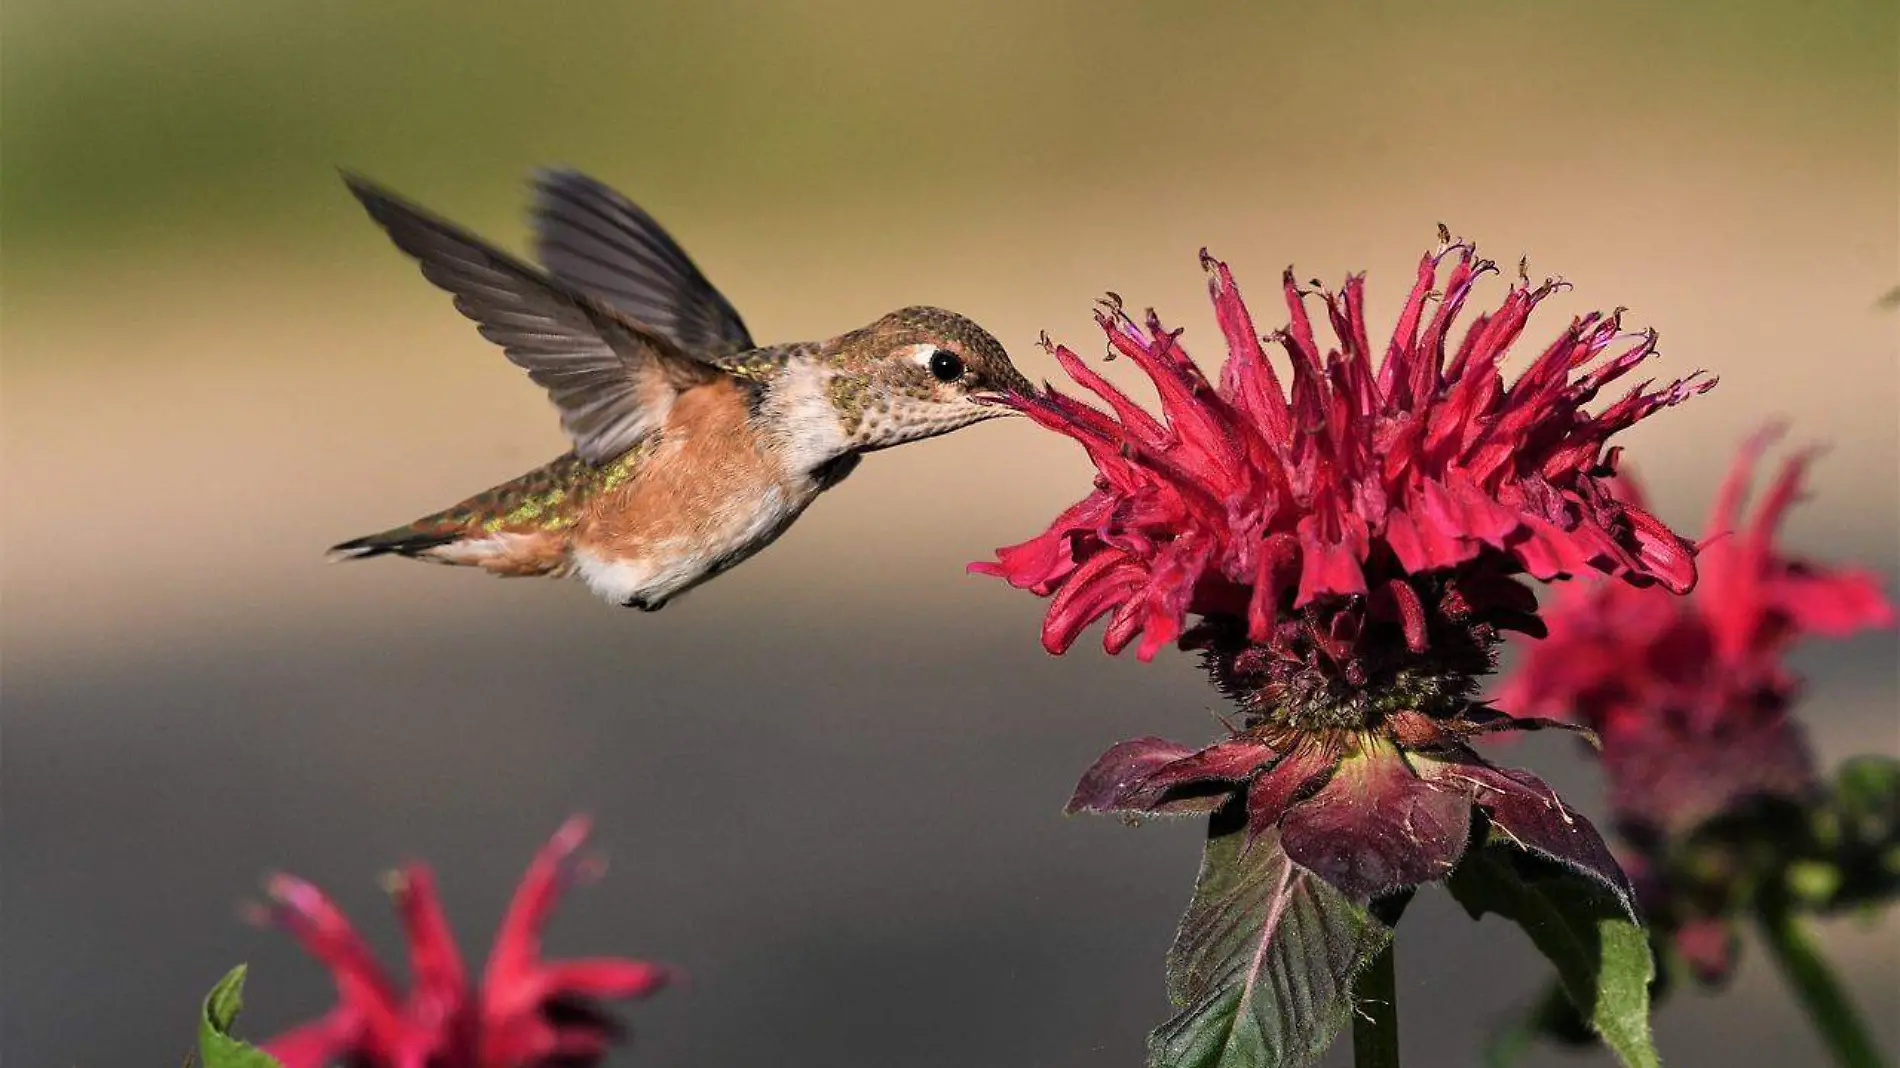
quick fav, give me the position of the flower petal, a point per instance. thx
(1103, 582)
(1257, 388)
(603, 978)
(326, 934)
(517, 949)
(1046, 559)
(321, 1042)
(1666, 555)
(435, 964)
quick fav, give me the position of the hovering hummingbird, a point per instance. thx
(693, 447)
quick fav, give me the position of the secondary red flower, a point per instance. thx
(1345, 552)
(1691, 696)
(526, 1013)
(1693, 701)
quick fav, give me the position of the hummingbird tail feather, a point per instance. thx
(510, 553)
(402, 541)
(516, 528)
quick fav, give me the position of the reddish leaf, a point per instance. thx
(1527, 812)
(1376, 827)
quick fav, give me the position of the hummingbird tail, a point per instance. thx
(516, 528)
(501, 552)
(402, 541)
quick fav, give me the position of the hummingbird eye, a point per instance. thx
(945, 366)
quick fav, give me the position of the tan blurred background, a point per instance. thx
(829, 779)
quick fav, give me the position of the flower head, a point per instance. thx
(1344, 552)
(526, 1013)
(1691, 695)
(1369, 485)
(1693, 702)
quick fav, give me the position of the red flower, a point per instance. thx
(1249, 502)
(1351, 549)
(1692, 701)
(1691, 696)
(527, 1012)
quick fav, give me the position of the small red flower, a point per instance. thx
(1348, 551)
(527, 1012)
(1691, 696)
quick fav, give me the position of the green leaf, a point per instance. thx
(1868, 785)
(216, 1046)
(1262, 968)
(1603, 959)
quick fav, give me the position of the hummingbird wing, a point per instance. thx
(589, 235)
(613, 379)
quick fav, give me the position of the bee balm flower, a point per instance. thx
(1691, 695)
(1693, 700)
(1345, 551)
(525, 1013)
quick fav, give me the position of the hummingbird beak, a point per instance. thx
(1007, 390)
(999, 398)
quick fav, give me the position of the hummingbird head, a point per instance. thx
(919, 372)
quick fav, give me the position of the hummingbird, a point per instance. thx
(693, 447)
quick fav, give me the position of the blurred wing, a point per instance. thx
(613, 380)
(599, 241)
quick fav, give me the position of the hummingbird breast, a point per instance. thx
(708, 491)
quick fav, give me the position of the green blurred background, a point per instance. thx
(829, 781)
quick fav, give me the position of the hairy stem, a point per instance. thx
(1375, 1021)
(1813, 982)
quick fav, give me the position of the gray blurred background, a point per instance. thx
(829, 782)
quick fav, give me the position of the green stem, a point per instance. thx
(1827, 1005)
(1375, 1020)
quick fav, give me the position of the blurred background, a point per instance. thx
(829, 782)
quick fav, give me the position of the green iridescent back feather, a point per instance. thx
(551, 497)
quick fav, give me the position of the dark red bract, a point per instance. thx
(1691, 696)
(1369, 813)
(1251, 500)
(526, 1012)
